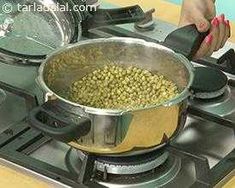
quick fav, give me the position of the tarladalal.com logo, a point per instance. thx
(8, 8)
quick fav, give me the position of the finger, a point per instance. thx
(215, 33)
(211, 10)
(195, 17)
(222, 31)
(201, 22)
(205, 47)
(184, 21)
(227, 33)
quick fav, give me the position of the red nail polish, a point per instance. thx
(221, 18)
(215, 22)
(209, 39)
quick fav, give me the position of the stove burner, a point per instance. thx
(154, 168)
(157, 177)
(119, 165)
(2, 96)
(131, 165)
(209, 83)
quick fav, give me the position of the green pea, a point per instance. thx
(114, 86)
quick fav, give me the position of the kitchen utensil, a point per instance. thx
(110, 131)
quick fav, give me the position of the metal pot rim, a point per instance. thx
(114, 112)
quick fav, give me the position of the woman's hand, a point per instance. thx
(202, 13)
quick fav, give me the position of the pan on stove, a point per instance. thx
(122, 132)
(27, 37)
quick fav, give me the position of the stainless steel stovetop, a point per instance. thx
(200, 136)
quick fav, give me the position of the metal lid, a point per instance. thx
(29, 30)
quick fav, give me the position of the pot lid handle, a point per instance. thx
(185, 40)
(105, 17)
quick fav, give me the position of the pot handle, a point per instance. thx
(58, 127)
(104, 17)
(185, 40)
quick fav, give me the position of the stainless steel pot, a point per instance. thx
(108, 131)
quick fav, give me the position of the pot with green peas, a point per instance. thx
(115, 96)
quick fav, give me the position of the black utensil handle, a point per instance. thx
(185, 40)
(104, 17)
(57, 126)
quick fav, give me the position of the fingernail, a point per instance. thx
(209, 39)
(215, 22)
(221, 18)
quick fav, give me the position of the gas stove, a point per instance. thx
(201, 156)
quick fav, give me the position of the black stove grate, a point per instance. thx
(18, 142)
(225, 63)
(212, 117)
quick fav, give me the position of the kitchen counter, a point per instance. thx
(13, 176)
